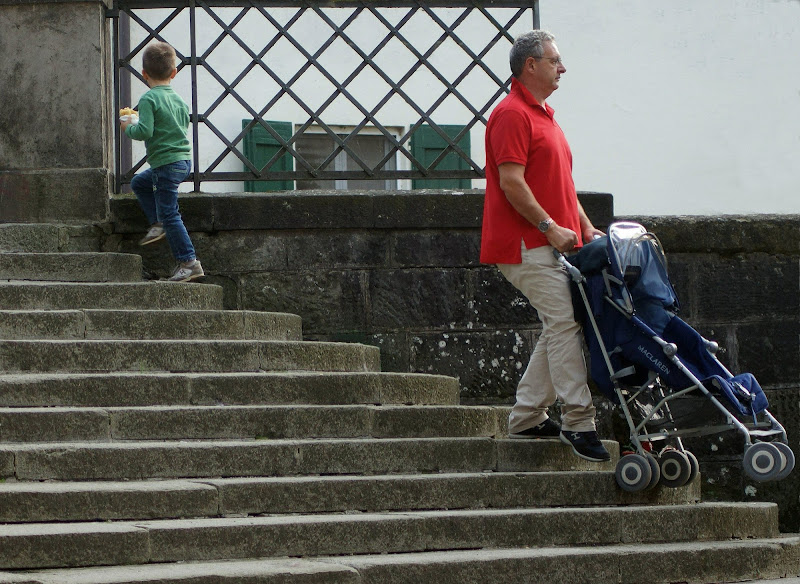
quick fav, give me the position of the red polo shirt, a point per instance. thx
(521, 131)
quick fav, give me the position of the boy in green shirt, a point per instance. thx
(163, 122)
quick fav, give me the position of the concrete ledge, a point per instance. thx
(134, 295)
(203, 459)
(141, 389)
(436, 491)
(32, 237)
(331, 210)
(81, 544)
(701, 562)
(40, 545)
(770, 234)
(188, 356)
(30, 425)
(148, 325)
(86, 501)
(26, 502)
(272, 571)
(71, 267)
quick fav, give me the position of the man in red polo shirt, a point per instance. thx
(531, 208)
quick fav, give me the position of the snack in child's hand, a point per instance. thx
(128, 114)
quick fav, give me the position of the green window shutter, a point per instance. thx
(259, 148)
(426, 145)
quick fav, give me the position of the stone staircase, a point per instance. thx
(146, 435)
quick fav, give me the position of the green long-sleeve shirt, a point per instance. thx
(163, 121)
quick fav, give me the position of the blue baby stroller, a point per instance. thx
(652, 364)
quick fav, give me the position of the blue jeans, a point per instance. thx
(157, 192)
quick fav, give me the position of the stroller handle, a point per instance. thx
(573, 272)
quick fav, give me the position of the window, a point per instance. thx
(427, 145)
(370, 148)
(259, 148)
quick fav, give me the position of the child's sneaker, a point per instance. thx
(187, 271)
(156, 233)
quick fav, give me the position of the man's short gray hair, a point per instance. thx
(529, 44)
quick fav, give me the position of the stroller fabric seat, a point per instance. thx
(628, 336)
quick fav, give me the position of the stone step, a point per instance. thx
(43, 545)
(702, 562)
(272, 571)
(29, 502)
(699, 562)
(71, 267)
(32, 237)
(295, 387)
(116, 296)
(85, 461)
(149, 324)
(64, 424)
(193, 355)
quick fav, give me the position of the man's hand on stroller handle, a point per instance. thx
(591, 233)
(561, 238)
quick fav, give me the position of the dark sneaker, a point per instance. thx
(547, 429)
(187, 271)
(586, 445)
(156, 233)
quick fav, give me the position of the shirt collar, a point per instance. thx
(522, 91)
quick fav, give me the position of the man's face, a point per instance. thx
(548, 69)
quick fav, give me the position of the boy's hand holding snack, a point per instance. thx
(128, 116)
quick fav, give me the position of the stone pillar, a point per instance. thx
(56, 123)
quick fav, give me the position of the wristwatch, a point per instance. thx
(545, 225)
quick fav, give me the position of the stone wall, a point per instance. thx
(400, 271)
(56, 123)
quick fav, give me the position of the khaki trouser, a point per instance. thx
(557, 368)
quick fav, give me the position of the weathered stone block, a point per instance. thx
(769, 350)
(496, 303)
(57, 195)
(239, 251)
(336, 249)
(436, 248)
(417, 298)
(30, 238)
(440, 209)
(395, 349)
(730, 234)
(292, 210)
(488, 364)
(29, 136)
(328, 301)
(727, 288)
(53, 425)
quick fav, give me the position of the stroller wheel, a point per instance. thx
(694, 464)
(789, 456)
(763, 461)
(676, 469)
(633, 473)
(655, 470)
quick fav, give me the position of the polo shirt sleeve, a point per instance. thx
(510, 138)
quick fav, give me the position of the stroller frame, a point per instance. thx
(766, 452)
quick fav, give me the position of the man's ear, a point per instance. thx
(174, 73)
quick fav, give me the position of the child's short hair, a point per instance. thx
(158, 60)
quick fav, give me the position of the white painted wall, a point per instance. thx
(680, 107)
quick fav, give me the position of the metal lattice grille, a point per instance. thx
(340, 69)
